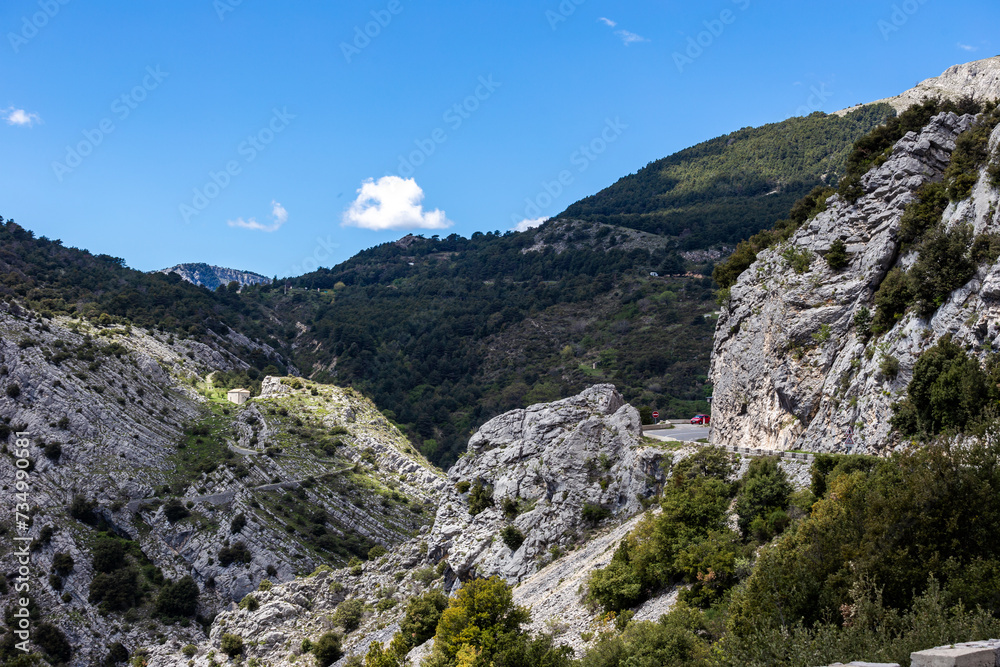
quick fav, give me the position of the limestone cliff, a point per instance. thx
(790, 369)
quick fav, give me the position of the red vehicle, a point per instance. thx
(703, 420)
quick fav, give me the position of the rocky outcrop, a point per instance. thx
(979, 80)
(112, 412)
(552, 459)
(544, 464)
(212, 277)
(789, 367)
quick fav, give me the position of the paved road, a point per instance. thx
(686, 432)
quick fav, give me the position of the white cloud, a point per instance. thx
(278, 214)
(608, 22)
(967, 47)
(20, 117)
(630, 37)
(392, 203)
(525, 225)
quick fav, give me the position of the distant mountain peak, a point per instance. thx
(212, 276)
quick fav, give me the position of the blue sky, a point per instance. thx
(275, 136)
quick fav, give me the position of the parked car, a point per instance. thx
(703, 420)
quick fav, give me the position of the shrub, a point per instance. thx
(480, 497)
(376, 552)
(62, 563)
(238, 523)
(836, 258)
(511, 507)
(235, 553)
(421, 617)
(178, 599)
(799, 259)
(117, 654)
(949, 390)
(942, 267)
(891, 300)
(425, 575)
(249, 602)
(348, 614)
(327, 649)
(985, 248)
(189, 650)
(594, 514)
(231, 645)
(924, 213)
(764, 488)
(889, 366)
(13, 390)
(52, 640)
(862, 322)
(116, 591)
(462, 487)
(174, 510)
(265, 585)
(108, 554)
(512, 537)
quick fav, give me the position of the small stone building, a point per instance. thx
(238, 396)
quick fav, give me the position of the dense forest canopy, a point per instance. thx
(729, 188)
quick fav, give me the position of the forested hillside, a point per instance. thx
(727, 189)
(446, 333)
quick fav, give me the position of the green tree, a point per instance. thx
(327, 649)
(482, 615)
(764, 488)
(949, 390)
(836, 257)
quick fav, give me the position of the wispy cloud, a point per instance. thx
(279, 216)
(392, 202)
(20, 117)
(629, 38)
(967, 47)
(525, 225)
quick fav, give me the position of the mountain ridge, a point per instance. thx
(212, 277)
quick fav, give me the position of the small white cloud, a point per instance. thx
(278, 214)
(629, 38)
(608, 22)
(525, 225)
(392, 203)
(967, 47)
(20, 117)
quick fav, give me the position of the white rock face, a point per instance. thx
(552, 458)
(540, 455)
(789, 369)
(979, 80)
